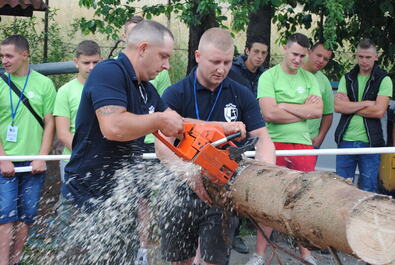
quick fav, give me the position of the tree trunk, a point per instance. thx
(318, 208)
(260, 25)
(196, 31)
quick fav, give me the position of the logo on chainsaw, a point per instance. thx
(230, 112)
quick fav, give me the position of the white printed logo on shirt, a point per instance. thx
(31, 94)
(151, 109)
(231, 112)
(300, 90)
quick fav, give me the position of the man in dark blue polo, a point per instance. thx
(207, 95)
(118, 108)
(247, 68)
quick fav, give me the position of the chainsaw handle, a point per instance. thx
(167, 143)
(226, 139)
(233, 136)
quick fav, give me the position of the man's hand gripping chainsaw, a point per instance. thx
(207, 146)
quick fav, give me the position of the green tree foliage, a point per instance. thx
(338, 23)
(32, 28)
(374, 20)
(197, 14)
(112, 14)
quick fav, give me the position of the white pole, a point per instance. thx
(35, 157)
(304, 152)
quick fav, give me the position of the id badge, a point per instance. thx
(12, 133)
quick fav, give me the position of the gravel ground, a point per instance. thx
(241, 259)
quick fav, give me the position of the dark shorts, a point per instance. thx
(186, 220)
(20, 195)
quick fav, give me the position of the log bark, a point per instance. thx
(318, 208)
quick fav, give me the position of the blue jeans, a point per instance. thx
(19, 196)
(368, 166)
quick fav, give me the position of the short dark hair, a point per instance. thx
(366, 44)
(253, 40)
(87, 47)
(315, 45)
(134, 20)
(19, 41)
(300, 39)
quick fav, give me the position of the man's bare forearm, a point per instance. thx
(376, 110)
(326, 123)
(303, 111)
(63, 131)
(279, 115)
(349, 107)
(371, 112)
(117, 124)
(265, 150)
(48, 134)
(67, 140)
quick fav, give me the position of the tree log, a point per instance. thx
(318, 208)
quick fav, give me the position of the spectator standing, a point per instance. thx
(87, 55)
(362, 99)
(23, 131)
(207, 95)
(288, 97)
(246, 69)
(318, 58)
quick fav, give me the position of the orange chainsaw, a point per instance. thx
(207, 146)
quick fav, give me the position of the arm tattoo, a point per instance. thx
(108, 110)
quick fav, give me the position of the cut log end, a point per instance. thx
(371, 230)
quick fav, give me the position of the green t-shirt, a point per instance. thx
(41, 94)
(161, 82)
(293, 89)
(356, 129)
(327, 99)
(67, 102)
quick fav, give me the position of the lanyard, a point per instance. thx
(13, 112)
(143, 93)
(196, 101)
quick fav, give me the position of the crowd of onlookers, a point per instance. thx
(103, 114)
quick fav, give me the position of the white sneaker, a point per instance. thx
(141, 258)
(311, 259)
(256, 260)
